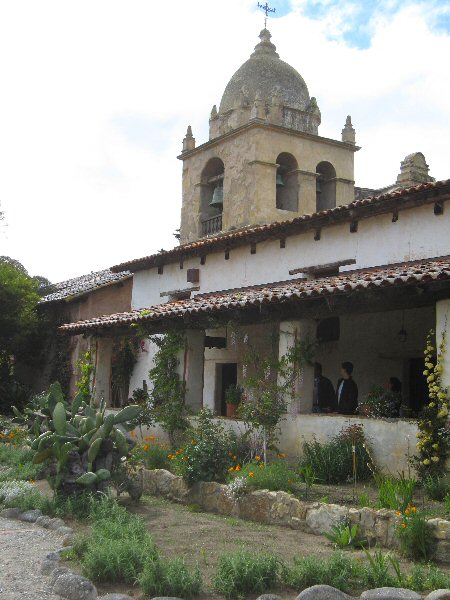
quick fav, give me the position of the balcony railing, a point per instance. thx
(212, 225)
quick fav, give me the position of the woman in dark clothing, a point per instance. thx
(346, 391)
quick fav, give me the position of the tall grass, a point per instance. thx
(170, 578)
(338, 570)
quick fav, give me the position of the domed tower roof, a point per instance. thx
(266, 73)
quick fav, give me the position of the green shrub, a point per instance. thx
(115, 560)
(152, 454)
(345, 535)
(395, 494)
(415, 534)
(337, 570)
(377, 571)
(426, 577)
(173, 577)
(274, 477)
(333, 462)
(436, 487)
(241, 573)
(20, 494)
(118, 545)
(207, 456)
(18, 459)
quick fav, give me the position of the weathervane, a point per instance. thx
(266, 8)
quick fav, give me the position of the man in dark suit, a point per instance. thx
(346, 391)
(323, 395)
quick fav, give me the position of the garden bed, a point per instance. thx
(281, 508)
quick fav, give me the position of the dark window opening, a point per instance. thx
(287, 186)
(226, 375)
(325, 186)
(211, 196)
(329, 330)
(215, 342)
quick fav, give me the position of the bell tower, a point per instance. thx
(264, 160)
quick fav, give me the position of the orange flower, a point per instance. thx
(399, 514)
(33, 481)
(407, 511)
(251, 474)
(146, 439)
(146, 447)
(413, 509)
(231, 469)
(11, 435)
(151, 438)
(238, 468)
(234, 458)
(231, 454)
(257, 457)
(132, 434)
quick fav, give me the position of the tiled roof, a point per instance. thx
(84, 284)
(384, 203)
(288, 291)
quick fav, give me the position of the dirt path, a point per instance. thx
(23, 546)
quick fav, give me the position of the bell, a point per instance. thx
(217, 199)
(280, 180)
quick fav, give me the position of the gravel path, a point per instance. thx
(23, 546)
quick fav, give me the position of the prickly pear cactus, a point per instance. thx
(81, 444)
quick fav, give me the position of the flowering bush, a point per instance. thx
(13, 490)
(276, 476)
(152, 454)
(433, 435)
(207, 456)
(414, 533)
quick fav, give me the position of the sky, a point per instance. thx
(96, 96)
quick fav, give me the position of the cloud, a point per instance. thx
(99, 95)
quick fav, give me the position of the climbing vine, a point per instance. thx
(433, 442)
(86, 368)
(169, 389)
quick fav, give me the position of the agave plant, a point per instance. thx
(81, 443)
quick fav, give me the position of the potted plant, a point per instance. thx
(233, 395)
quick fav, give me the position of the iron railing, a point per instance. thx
(212, 225)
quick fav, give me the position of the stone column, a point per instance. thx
(301, 396)
(443, 326)
(307, 192)
(193, 368)
(102, 377)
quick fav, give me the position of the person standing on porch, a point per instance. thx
(323, 394)
(346, 391)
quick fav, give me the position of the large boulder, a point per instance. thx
(320, 520)
(389, 593)
(74, 587)
(322, 592)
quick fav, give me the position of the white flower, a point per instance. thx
(237, 488)
(11, 490)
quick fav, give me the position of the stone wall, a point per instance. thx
(280, 508)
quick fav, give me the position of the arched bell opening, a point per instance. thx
(211, 200)
(287, 185)
(325, 186)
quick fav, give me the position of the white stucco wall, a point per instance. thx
(391, 440)
(418, 233)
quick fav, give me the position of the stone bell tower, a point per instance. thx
(264, 160)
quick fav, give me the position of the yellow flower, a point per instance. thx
(426, 461)
(251, 474)
(399, 514)
(151, 438)
(231, 469)
(11, 435)
(257, 457)
(238, 468)
(435, 458)
(435, 446)
(414, 509)
(132, 434)
(404, 525)
(407, 511)
(284, 455)
(278, 455)
(261, 466)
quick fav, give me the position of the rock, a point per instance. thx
(10, 513)
(389, 593)
(299, 509)
(30, 516)
(320, 520)
(366, 520)
(441, 529)
(439, 595)
(212, 494)
(48, 566)
(57, 572)
(256, 506)
(282, 508)
(166, 598)
(269, 597)
(74, 587)
(43, 521)
(53, 555)
(55, 524)
(322, 592)
(68, 540)
(115, 597)
(64, 530)
(299, 525)
(354, 516)
(443, 551)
